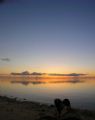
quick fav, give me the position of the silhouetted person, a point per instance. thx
(67, 104)
(59, 106)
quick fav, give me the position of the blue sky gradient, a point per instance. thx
(47, 36)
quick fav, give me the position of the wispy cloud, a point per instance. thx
(71, 74)
(5, 59)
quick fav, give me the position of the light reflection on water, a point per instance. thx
(80, 91)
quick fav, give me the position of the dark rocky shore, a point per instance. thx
(12, 109)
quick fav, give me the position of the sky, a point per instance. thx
(51, 36)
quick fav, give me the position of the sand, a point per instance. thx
(12, 109)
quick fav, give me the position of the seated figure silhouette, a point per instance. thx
(67, 104)
(62, 105)
(59, 105)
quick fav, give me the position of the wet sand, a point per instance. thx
(12, 109)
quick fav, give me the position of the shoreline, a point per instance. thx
(14, 109)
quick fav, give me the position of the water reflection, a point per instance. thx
(80, 91)
(35, 82)
(27, 82)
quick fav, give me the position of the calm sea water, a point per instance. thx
(80, 91)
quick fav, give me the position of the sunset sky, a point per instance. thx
(52, 36)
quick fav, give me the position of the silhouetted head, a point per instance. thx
(66, 102)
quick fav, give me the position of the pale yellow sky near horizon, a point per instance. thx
(8, 70)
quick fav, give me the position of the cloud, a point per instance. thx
(6, 59)
(71, 74)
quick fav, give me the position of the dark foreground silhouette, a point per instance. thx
(13, 109)
(65, 107)
(62, 105)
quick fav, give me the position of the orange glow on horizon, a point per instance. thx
(54, 70)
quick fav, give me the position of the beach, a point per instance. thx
(12, 109)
